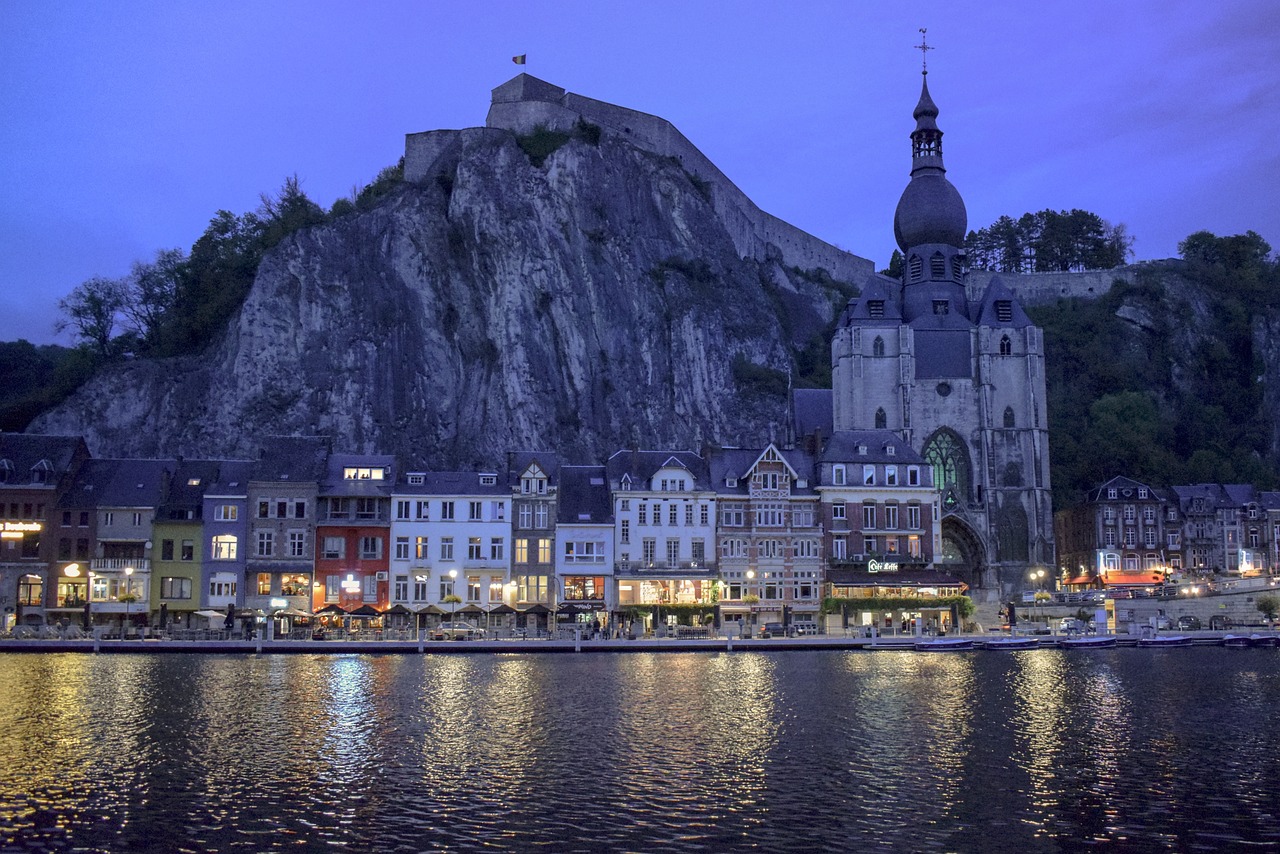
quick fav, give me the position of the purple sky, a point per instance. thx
(125, 126)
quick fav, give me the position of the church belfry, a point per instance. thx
(960, 379)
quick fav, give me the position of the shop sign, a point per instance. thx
(881, 566)
(17, 530)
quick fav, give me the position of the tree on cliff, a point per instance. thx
(91, 313)
(1049, 241)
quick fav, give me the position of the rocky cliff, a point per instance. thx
(593, 301)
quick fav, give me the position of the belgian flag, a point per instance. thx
(519, 60)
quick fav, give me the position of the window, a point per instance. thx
(221, 586)
(1006, 346)
(224, 547)
(498, 511)
(264, 509)
(643, 515)
(868, 475)
(295, 585)
(531, 588)
(166, 549)
(882, 420)
(837, 475)
(838, 548)
(474, 551)
(673, 552)
(869, 545)
(837, 510)
(544, 551)
(946, 453)
(941, 306)
(704, 514)
(422, 509)
(367, 508)
(699, 548)
(584, 551)
(473, 588)
(672, 514)
(335, 548)
(188, 549)
(868, 516)
(174, 587)
(522, 551)
(891, 475)
(363, 473)
(266, 543)
(1004, 314)
(297, 544)
(1008, 418)
(526, 516)
(877, 346)
(732, 515)
(891, 516)
(137, 520)
(402, 548)
(488, 480)
(402, 510)
(446, 548)
(937, 266)
(770, 516)
(400, 591)
(446, 511)
(419, 588)
(474, 510)
(108, 519)
(915, 266)
(282, 508)
(913, 517)
(299, 509)
(625, 534)
(264, 584)
(540, 515)
(226, 513)
(420, 548)
(650, 550)
(688, 514)
(1130, 514)
(496, 549)
(875, 308)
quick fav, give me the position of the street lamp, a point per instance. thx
(751, 599)
(453, 594)
(128, 597)
(1037, 576)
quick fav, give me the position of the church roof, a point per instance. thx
(812, 412)
(930, 210)
(999, 307)
(863, 309)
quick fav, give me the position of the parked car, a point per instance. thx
(1188, 623)
(457, 631)
(1218, 622)
(1163, 623)
(773, 630)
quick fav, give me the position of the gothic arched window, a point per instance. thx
(877, 346)
(881, 419)
(945, 451)
(1008, 417)
(1006, 346)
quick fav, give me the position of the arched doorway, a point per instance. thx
(963, 554)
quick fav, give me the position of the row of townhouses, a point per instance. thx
(1129, 533)
(729, 534)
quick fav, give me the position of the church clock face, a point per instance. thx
(944, 389)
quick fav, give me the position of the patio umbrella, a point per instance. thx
(469, 609)
(502, 609)
(398, 609)
(332, 609)
(85, 620)
(164, 614)
(365, 611)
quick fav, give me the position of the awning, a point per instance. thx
(1133, 579)
(291, 612)
(212, 615)
(1081, 579)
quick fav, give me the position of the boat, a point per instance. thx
(1237, 641)
(1011, 643)
(1264, 640)
(1165, 640)
(944, 645)
(1088, 642)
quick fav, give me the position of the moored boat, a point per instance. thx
(944, 645)
(1264, 640)
(1088, 642)
(1165, 640)
(1237, 641)
(1011, 643)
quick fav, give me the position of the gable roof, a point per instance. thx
(584, 496)
(641, 466)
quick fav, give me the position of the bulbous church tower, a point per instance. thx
(960, 378)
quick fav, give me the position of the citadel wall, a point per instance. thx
(1047, 288)
(525, 103)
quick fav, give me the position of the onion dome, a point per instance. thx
(930, 210)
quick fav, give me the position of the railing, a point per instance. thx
(120, 564)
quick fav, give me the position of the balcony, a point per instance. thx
(693, 569)
(120, 564)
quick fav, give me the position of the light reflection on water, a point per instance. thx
(1023, 751)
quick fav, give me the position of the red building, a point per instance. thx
(353, 533)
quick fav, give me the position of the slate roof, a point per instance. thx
(453, 483)
(1122, 483)
(182, 494)
(292, 458)
(584, 496)
(844, 447)
(519, 461)
(232, 478)
(986, 315)
(118, 483)
(738, 462)
(336, 484)
(877, 289)
(642, 465)
(24, 452)
(812, 410)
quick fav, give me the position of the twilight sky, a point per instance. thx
(125, 126)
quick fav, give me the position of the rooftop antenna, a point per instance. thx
(924, 48)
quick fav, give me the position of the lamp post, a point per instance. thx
(751, 599)
(128, 597)
(1037, 577)
(453, 594)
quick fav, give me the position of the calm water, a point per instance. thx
(1043, 750)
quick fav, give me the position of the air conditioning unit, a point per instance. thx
(383, 576)
(858, 558)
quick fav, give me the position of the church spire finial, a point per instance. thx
(924, 49)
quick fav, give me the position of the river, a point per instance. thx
(1042, 750)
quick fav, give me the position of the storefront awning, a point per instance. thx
(1133, 579)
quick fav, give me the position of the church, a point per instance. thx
(959, 376)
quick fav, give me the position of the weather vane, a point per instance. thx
(923, 47)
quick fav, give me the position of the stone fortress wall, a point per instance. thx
(1033, 289)
(525, 103)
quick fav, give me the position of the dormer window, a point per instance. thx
(1111, 493)
(417, 479)
(862, 450)
(363, 473)
(915, 265)
(488, 480)
(731, 482)
(875, 308)
(891, 450)
(938, 266)
(1004, 310)
(1142, 492)
(40, 472)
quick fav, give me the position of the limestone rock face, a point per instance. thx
(593, 302)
